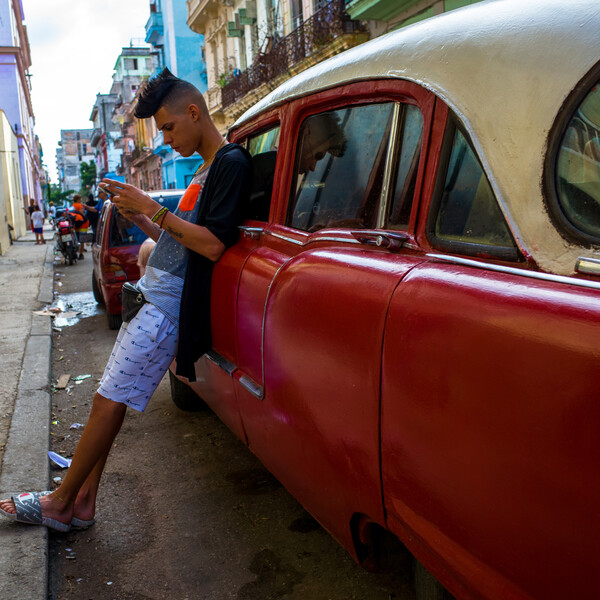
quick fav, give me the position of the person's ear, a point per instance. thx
(193, 112)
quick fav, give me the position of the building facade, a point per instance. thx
(138, 164)
(12, 213)
(387, 15)
(252, 46)
(179, 49)
(74, 148)
(15, 95)
(104, 135)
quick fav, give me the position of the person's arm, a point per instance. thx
(152, 230)
(131, 201)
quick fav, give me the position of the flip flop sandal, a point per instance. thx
(29, 511)
(81, 524)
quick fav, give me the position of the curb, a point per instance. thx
(25, 467)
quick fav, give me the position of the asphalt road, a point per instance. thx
(185, 509)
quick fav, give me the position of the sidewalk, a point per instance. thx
(26, 285)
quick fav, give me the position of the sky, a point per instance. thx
(74, 48)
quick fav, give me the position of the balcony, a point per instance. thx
(200, 12)
(154, 27)
(329, 31)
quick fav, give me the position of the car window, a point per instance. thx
(123, 232)
(411, 139)
(466, 216)
(578, 168)
(339, 168)
(263, 149)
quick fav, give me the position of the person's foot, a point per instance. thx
(52, 508)
(80, 256)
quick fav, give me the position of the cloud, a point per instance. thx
(74, 47)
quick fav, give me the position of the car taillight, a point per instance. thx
(114, 272)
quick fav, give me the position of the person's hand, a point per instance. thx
(128, 199)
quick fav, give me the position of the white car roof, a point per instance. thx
(505, 67)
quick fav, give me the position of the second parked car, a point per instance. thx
(115, 250)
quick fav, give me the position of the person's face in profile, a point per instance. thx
(315, 145)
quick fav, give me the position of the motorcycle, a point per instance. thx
(66, 239)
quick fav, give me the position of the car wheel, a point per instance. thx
(183, 396)
(96, 290)
(114, 321)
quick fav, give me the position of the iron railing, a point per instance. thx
(321, 29)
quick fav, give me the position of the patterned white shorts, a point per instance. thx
(144, 349)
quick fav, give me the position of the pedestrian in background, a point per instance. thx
(52, 214)
(82, 223)
(31, 209)
(91, 211)
(37, 221)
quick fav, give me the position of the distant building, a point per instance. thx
(104, 135)
(74, 148)
(15, 97)
(139, 165)
(176, 47)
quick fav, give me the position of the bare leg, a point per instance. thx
(106, 418)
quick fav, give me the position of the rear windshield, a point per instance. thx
(124, 233)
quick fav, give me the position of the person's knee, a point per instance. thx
(106, 408)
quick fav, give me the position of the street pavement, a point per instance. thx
(26, 285)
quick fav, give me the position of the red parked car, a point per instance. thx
(114, 252)
(407, 333)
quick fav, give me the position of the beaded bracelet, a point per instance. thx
(162, 219)
(159, 213)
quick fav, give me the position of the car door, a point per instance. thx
(489, 386)
(313, 296)
(216, 370)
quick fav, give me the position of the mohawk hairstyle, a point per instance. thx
(159, 91)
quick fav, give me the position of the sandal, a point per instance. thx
(29, 511)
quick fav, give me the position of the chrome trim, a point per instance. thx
(384, 198)
(253, 387)
(521, 272)
(285, 238)
(588, 266)
(221, 362)
(252, 232)
(330, 238)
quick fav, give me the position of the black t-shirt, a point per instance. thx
(224, 196)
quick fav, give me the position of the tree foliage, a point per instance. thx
(57, 195)
(87, 176)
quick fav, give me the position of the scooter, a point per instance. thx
(66, 240)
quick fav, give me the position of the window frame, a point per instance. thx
(383, 200)
(567, 111)
(503, 253)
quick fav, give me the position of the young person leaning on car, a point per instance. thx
(176, 288)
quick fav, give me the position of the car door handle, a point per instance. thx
(253, 233)
(393, 241)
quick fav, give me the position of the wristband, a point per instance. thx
(159, 213)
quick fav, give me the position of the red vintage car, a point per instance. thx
(407, 333)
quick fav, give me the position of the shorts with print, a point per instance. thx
(144, 349)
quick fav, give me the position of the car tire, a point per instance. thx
(114, 321)
(183, 396)
(96, 290)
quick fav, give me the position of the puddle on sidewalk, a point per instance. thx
(82, 303)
